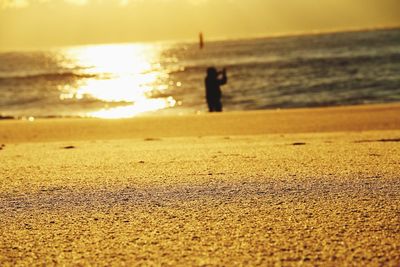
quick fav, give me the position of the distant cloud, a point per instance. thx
(14, 3)
(26, 3)
(77, 2)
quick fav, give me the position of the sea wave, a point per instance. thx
(302, 71)
(301, 61)
(49, 76)
(84, 100)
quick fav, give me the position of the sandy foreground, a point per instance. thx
(317, 187)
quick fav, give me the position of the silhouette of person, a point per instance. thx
(213, 89)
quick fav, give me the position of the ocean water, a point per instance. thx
(126, 80)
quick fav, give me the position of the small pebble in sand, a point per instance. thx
(152, 139)
(299, 144)
(69, 147)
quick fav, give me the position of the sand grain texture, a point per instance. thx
(224, 198)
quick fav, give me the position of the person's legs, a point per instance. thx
(218, 106)
(210, 105)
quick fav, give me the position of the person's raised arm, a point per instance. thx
(224, 79)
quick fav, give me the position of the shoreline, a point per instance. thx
(305, 120)
(198, 113)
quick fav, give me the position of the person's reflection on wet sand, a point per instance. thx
(213, 89)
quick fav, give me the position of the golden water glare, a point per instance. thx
(122, 74)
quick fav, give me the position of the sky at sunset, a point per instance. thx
(30, 23)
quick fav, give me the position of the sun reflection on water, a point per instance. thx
(141, 106)
(125, 74)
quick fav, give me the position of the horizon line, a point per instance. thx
(212, 39)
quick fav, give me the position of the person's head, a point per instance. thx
(212, 72)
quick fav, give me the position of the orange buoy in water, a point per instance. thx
(201, 40)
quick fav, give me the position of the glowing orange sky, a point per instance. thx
(29, 23)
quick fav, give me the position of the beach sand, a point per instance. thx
(317, 187)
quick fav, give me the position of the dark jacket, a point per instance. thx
(213, 90)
